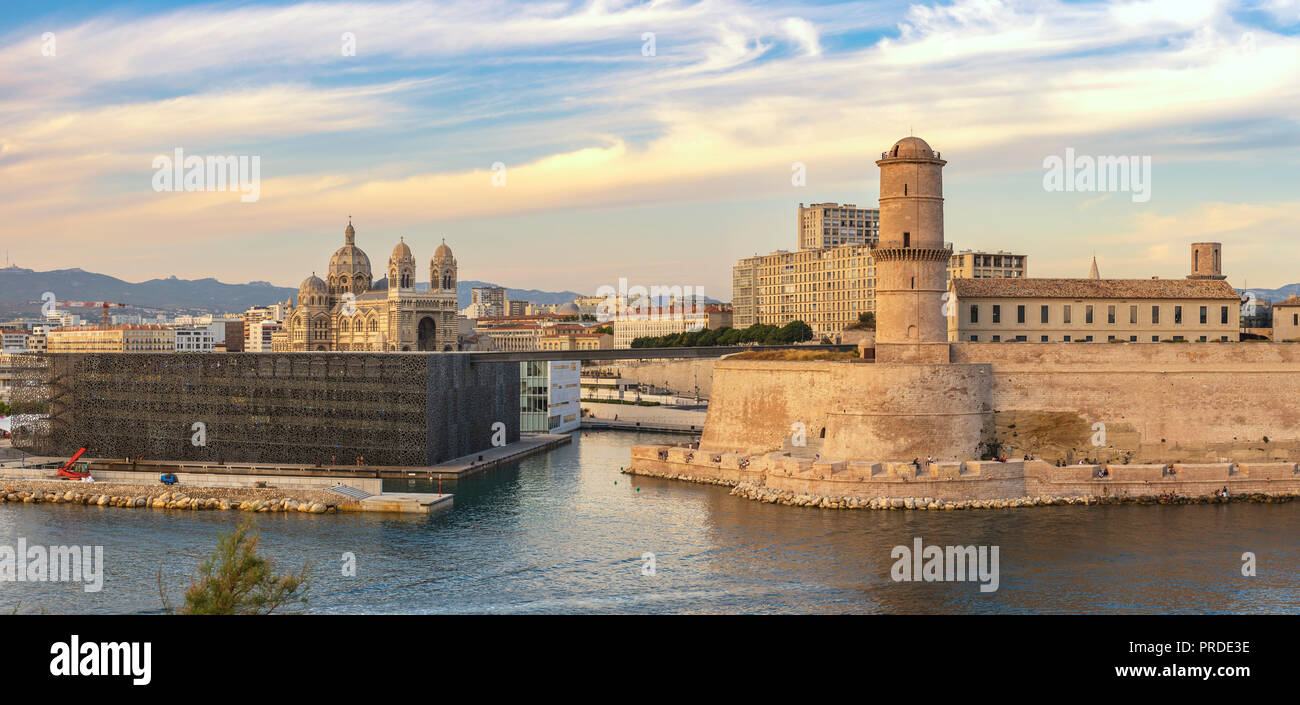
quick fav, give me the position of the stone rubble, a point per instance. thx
(767, 495)
(140, 496)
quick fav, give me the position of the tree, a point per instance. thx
(794, 332)
(866, 321)
(236, 580)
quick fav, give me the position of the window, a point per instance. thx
(997, 313)
(1066, 339)
(1132, 339)
(974, 338)
(1042, 339)
(1066, 317)
(1088, 339)
(1223, 314)
(1021, 339)
(1202, 339)
(1020, 314)
(1110, 338)
(974, 313)
(997, 338)
(1295, 319)
(1155, 338)
(1178, 315)
(1110, 314)
(1204, 310)
(1155, 315)
(1133, 315)
(907, 239)
(1042, 313)
(1087, 314)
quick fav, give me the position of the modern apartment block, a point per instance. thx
(198, 338)
(261, 334)
(491, 300)
(825, 288)
(822, 225)
(985, 265)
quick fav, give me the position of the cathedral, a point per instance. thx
(346, 311)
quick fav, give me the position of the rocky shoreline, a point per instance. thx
(767, 495)
(156, 497)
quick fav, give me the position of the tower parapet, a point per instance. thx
(1206, 262)
(911, 257)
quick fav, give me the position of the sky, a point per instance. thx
(568, 145)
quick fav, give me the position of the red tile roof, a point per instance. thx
(1027, 287)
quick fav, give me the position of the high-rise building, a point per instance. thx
(491, 300)
(825, 288)
(823, 225)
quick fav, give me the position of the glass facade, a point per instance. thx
(534, 396)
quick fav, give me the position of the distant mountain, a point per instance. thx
(1274, 295)
(19, 287)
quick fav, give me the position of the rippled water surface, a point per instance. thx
(565, 532)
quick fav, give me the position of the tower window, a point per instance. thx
(907, 239)
(904, 189)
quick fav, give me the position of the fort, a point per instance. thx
(926, 419)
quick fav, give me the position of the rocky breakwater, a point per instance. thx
(768, 495)
(145, 497)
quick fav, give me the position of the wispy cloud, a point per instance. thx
(562, 94)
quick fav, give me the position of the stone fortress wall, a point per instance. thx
(1159, 402)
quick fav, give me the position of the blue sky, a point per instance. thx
(662, 169)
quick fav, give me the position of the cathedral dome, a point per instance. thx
(568, 309)
(443, 252)
(311, 285)
(401, 252)
(350, 260)
(911, 147)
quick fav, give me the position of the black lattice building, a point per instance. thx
(390, 408)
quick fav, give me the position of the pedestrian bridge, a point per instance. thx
(636, 353)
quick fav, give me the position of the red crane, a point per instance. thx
(68, 471)
(102, 304)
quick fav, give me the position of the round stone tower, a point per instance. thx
(911, 258)
(1205, 261)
